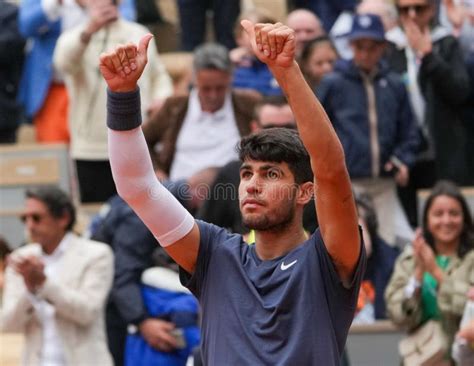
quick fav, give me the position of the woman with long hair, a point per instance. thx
(432, 277)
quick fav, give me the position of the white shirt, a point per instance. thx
(70, 14)
(52, 352)
(205, 139)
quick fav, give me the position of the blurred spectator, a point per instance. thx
(148, 12)
(318, 59)
(465, 342)
(463, 347)
(4, 252)
(459, 17)
(380, 262)
(42, 91)
(222, 206)
(186, 135)
(11, 61)
(249, 72)
(56, 288)
(469, 116)
(179, 67)
(385, 9)
(370, 110)
(432, 277)
(192, 191)
(134, 247)
(76, 56)
(165, 298)
(193, 20)
(433, 68)
(327, 10)
(306, 25)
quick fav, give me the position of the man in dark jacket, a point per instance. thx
(135, 250)
(11, 61)
(370, 111)
(432, 64)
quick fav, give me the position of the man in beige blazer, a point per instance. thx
(56, 288)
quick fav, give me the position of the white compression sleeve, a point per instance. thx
(137, 184)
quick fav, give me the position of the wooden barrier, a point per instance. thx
(24, 166)
(367, 345)
(374, 344)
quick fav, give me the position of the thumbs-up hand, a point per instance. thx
(123, 67)
(273, 44)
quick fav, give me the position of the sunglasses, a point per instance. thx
(34, 216)
(418, 9)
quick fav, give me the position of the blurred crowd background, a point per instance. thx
(396, 78)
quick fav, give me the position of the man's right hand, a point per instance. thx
(32, 270)
(123, 67)
(157, 333)
(418, 39)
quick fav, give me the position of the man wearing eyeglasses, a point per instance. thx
(433, 68)
(56, 287)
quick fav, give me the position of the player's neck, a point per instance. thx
(274, 244)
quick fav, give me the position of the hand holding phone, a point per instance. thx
(398, 170)
(178, 334)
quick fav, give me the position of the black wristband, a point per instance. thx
(123, 110)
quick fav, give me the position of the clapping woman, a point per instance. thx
(432, 277)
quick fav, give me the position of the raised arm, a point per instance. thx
(274, 44)
(131, 165)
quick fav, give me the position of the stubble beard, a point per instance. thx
(281, 220)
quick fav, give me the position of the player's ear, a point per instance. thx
(305, 193)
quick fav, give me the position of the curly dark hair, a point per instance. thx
(278, 145)
(450, 189)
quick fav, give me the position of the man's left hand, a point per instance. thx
(273, 44)
(123, 67)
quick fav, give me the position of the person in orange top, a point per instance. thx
(381, 259)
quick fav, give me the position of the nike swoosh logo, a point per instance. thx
(284, 266)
